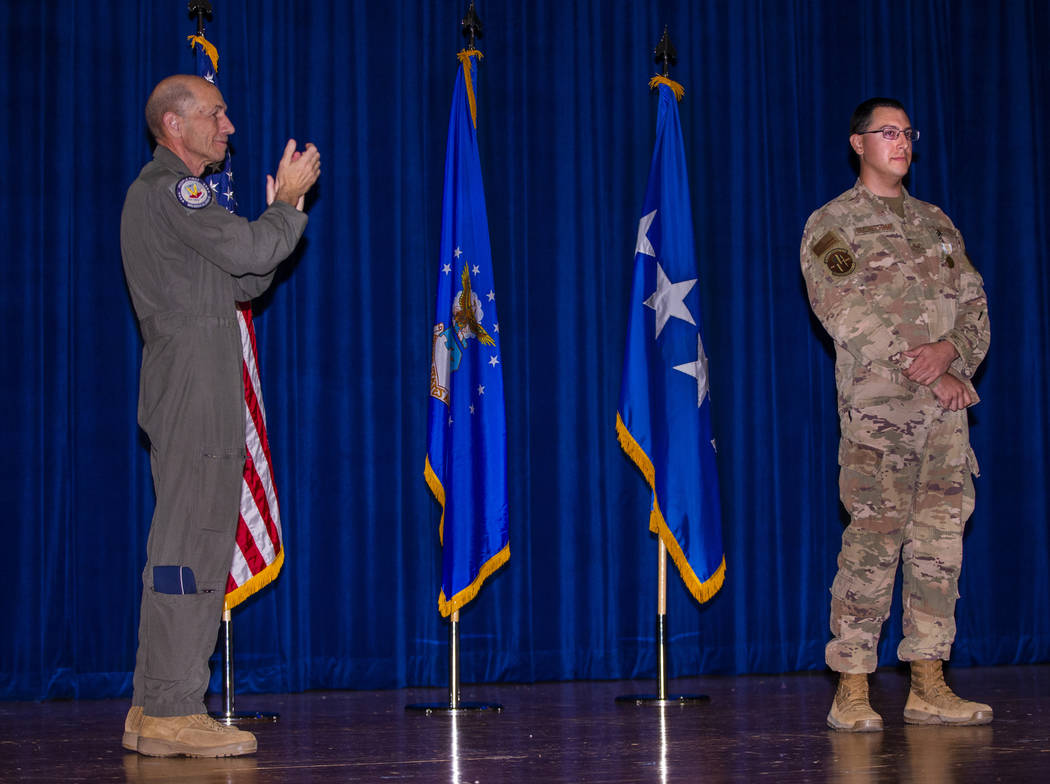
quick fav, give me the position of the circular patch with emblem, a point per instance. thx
(192, 193)
(840, 262)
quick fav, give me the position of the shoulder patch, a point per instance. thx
(192, 193)
(835, 255)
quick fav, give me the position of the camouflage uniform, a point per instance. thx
(881, 285)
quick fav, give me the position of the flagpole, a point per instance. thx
(201, 9)
(454, 705)
(471, 29)
(665, 53)
(453, 661)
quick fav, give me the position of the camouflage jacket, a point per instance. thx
(881, 285)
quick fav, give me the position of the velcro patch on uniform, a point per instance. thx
(877, 228)
(192, 193)
(825, 242)
(835, 255)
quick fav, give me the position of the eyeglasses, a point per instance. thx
(890, 134)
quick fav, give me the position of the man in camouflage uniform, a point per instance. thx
(889, 278)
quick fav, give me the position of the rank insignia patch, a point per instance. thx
(192, 193)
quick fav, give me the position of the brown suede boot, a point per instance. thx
(930, 701)
(198, 735)
(132, 722)
(850, 710)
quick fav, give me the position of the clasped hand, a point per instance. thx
(929, 367)
(296, 174)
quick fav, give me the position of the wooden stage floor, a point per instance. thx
(755, 728)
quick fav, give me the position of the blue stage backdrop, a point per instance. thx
(566, 127)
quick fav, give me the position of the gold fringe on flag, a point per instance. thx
(464, 57)
(256, 583)
(702, 591)
(209, 49)
(676, 88)
(449, 606)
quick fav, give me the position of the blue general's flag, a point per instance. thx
(664, 418)
(466, 465)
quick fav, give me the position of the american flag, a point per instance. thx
(259, 552)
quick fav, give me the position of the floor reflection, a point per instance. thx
(223, 770)
(945, 754)
(453, 752)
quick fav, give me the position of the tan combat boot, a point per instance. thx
(132, 722)
(850, 710)
(198, 735)
(930, 701)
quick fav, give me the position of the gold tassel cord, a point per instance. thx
(208, 47)
(676, 88)
(464, 57)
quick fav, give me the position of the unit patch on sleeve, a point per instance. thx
(835, 255)
(192, 193)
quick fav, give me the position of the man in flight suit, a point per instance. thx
(889, 278)
(187, 261)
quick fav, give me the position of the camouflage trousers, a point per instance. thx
(906, 482)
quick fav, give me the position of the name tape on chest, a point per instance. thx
(193, 193)
(877, 228)
(835, 255)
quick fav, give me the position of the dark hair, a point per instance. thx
(862, 114)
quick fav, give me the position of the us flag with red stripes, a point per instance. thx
(259, 552)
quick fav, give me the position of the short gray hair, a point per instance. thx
(173, 94)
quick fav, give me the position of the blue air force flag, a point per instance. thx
(466, 465)
(664, 418)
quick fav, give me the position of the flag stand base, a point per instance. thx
(454, 706)
(662, 698)
(228, 715)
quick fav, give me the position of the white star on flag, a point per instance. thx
(669, 299)
(481, 389)
(447, 269)
(491, 295)
(476, 269)
(643, 245)
(698, 370)
(494, 361)
(457, 253)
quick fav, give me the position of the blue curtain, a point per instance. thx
(566, 126)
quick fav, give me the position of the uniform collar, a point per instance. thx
(863, 189)
(170, 160)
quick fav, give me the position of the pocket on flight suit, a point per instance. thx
(218, 502)
(219, 478)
